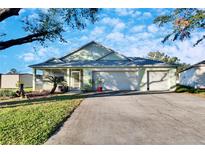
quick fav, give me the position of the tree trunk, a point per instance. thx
(54, 88)
(21, 90)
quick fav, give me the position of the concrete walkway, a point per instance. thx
(136, 119)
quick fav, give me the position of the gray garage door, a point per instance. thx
(116, 80)
(158, 80)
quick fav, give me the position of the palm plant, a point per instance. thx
(55, 80)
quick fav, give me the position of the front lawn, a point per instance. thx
(34, 121)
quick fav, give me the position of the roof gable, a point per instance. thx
(90, 51)
(199, 64)
(54, 60)
(93, 51)
(113, 56)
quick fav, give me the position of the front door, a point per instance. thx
(75, 80)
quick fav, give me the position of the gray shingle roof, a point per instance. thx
(199, 64)
(128, 62)
(136, 61)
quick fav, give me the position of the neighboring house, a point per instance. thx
(93, 64)
(193, 76)
(11, 80)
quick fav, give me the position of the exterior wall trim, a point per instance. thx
(148, 83)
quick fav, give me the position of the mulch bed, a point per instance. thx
(42, 94)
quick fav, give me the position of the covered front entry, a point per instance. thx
(75, 79)
(116, 80)
(157, 80)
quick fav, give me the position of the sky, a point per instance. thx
(128, 31)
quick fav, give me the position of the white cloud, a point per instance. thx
(186, 52)
(144, 43)
(97, 31)
(44, 10)
(48, 52)
(136, 13)
(124, 11)
(147, 14)
(33, 16)
(152, 28)
(115, 36)
(40, 54)
(138, 28)
(116, 23)
(127, 12)
(162, 11)
(145, 36)
(119, 26)
(83, 38)
(28, 57)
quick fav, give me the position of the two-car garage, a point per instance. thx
(117, 80)
(132, 80)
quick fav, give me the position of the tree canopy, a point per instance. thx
(157, 55)
(49, 26)
(184, 21)
(163, 57)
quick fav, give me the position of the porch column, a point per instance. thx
(68, 77)
(34, 79)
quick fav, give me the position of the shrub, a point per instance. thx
(7, 93)
(181, 89)
(87, 88)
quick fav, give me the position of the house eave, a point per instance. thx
(131, 66)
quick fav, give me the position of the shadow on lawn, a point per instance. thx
(50, 99)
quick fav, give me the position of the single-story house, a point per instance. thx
(94, 64)
(193, 76)
(11, 80)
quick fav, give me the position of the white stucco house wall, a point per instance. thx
(194, 76)
(94, 64)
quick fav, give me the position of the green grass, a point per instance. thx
(34, 121)
(15, 89)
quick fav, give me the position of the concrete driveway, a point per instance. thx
(168, 118)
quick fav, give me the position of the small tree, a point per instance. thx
(161, 56)
(20, 92)
(13, 71)
(55, 80)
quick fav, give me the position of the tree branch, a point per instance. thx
(8, 12)
(19, 41)
(200, 40)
